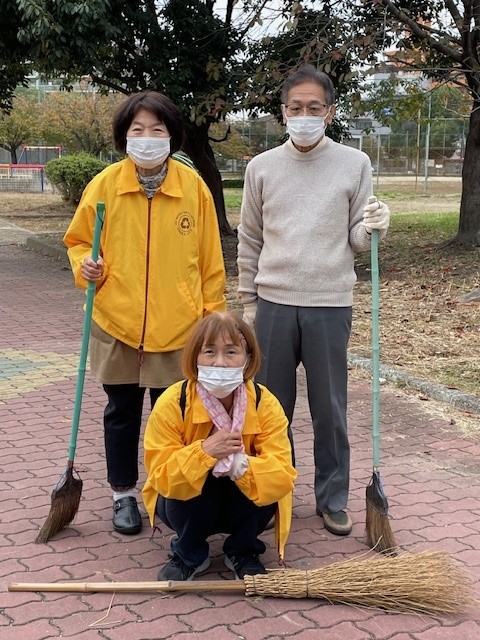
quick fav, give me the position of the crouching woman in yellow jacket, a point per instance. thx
(217, 454)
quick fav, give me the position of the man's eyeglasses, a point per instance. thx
(315, 109)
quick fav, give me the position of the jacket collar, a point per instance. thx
(128, 182)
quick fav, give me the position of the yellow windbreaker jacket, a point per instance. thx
(177, 466)
(163, 258)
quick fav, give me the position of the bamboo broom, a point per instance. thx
(427, 582)
(378, 530)
(65, 498)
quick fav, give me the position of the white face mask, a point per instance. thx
(220, 381)
(148, 153)
(306, 130)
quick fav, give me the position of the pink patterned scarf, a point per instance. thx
(222, 420)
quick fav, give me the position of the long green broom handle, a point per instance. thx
(375, 350)
(87, 321)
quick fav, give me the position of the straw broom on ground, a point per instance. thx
(428, 583)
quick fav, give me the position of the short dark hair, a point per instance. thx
(208, 329)
(308, 73)
(158, 104)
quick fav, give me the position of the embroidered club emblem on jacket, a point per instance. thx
(185, 223)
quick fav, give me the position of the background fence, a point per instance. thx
(24, 178)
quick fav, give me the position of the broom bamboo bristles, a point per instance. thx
(379, 533)
(64, 503)
(427, 582)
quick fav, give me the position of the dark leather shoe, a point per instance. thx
(126, 516)
(338, 523)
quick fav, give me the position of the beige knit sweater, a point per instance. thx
(300, 225)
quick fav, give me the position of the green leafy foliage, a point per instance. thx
(209, 58)
(80, 120)
(20, 125)
(14, 60)
(205, 55)
(71, 174)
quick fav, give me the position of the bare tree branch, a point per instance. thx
(454, 12)
(228, 13)
(421, 32)
(106, 83)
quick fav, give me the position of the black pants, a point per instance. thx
(122, 420)
(220, 508)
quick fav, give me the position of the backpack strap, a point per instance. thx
(258, 394)
(183, 396)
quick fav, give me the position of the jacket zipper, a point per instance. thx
(147, 274)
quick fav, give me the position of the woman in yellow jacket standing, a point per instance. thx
(160, 270)
(217, 454)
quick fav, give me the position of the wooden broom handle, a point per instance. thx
(132, 587)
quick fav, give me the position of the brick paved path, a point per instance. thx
(431, 473)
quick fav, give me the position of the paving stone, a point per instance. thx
(430, 470)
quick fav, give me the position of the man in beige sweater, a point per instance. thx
(307, 209)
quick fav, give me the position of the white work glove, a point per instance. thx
(249, 313)
(376, 215)
(239, 466)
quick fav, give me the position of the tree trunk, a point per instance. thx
(469, 224)
(198, 148)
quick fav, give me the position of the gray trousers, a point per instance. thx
(317, 337)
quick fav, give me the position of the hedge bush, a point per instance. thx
(71, 174)
(232, 183)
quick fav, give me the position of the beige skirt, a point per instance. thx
(114, 362)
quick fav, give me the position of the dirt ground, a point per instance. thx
(423, 326)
